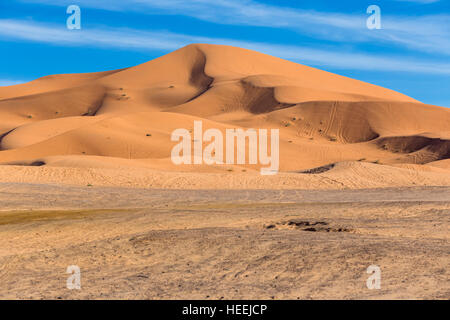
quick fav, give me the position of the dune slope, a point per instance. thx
(124, 118)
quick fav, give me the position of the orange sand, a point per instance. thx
(118, 124)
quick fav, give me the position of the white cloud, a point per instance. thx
(429, 33)
(8, 82)
(131, 39)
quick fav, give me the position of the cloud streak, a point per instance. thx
(9, 82)
(429, 33)
(162, 41)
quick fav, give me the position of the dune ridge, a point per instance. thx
(123, 119)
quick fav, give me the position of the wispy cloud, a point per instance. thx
(131, 39)
(428, 33)
(9, 82)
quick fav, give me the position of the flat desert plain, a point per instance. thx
(87, 179)
(223, 244)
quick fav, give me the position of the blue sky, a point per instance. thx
(410, 53)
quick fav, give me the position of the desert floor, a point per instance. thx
(223, 244)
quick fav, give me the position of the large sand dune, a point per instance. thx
(118, 125)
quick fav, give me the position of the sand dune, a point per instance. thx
(122, 120)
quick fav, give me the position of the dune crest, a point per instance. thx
(124, 118)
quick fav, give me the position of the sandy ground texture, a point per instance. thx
(135, 243)
(344, 175)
